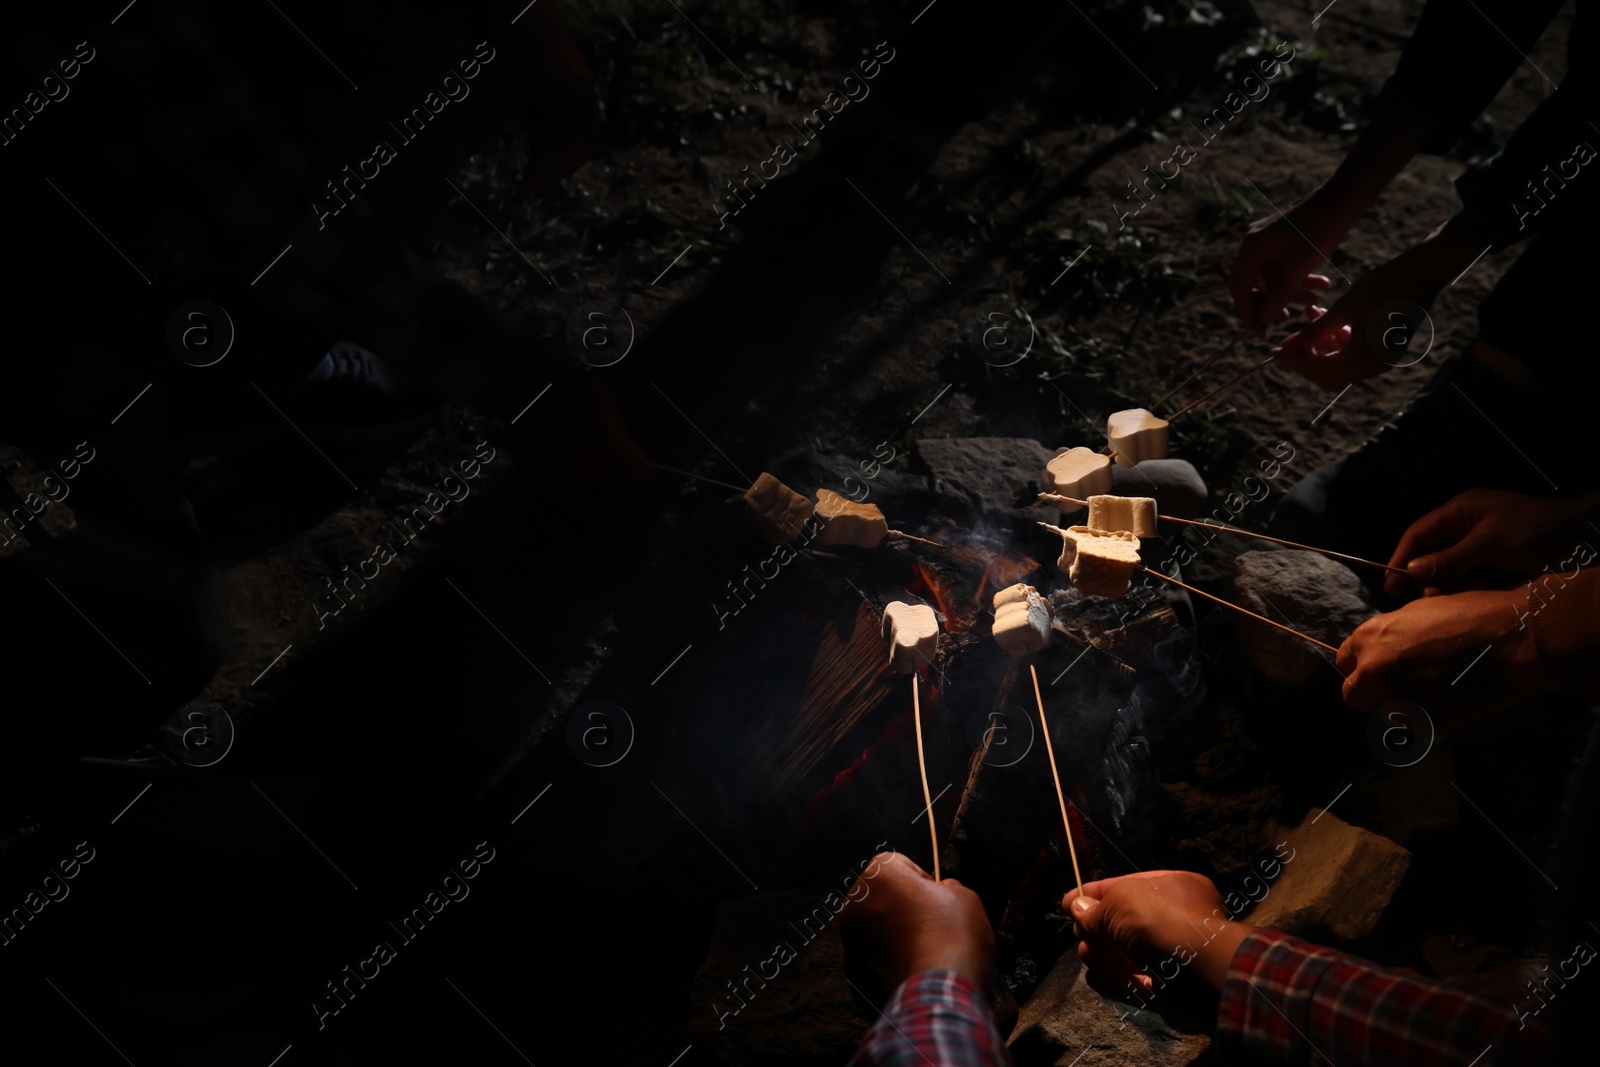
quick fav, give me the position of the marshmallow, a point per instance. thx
(1072, 536)
(1102, 563)
(1137, 435)
(1078, 472)
(913, 632)
(1133, 514)
(1021, 620)
(844, 522)
(780, 512)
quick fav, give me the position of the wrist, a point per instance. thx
(1203, 944)
(1382, 151)
(1341, 202)
(967, 961)
(1446, 252)
(1215, 958)
(1518, 654)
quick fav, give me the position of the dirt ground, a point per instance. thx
(680, 115)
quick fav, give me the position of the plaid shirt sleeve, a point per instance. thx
(1288, 1002)
(935, 1018)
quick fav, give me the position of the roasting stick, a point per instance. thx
(1060, 798)
(1242, 533)
(1229, 384)
(922, 765)
(1242, 611)
(1229, 347)
(700, 477)
(913, 537)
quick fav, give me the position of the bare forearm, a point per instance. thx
(1382, 151)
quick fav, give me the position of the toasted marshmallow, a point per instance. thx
(1137, 435)
(1072, 536)
(1132, 514)
(1102, 561)
(1022, 620)
(1079, 472)
(844, 522)
(913, 633)
(780, 512)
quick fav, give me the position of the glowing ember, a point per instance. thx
(927, 583)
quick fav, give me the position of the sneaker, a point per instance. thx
(352, 396)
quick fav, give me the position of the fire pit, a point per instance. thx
(816, 768)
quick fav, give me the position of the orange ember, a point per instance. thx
(926, 581)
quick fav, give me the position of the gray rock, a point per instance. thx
(1337, 881)
(1312, 593)
(1064, 1017)
(1176, 485)
(893, 481)
(805, 1013)
(988, 474)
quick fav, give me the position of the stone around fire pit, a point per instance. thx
(1338, 881)
(1064, 1017)
(1316, 595)
(887, 480)
(804, 1012)
(1177, 487)
(988, 474)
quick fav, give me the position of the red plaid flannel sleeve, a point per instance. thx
(1288, 1002)
(935, 1018)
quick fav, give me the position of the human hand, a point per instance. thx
(1278, 259)
(1127, 925)
(1419, 652)
(1488, 529)
(1334, 350)
(898, 922)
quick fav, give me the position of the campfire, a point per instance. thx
(1051, 708)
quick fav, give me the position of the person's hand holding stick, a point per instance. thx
(1501, 533)
(899, 921)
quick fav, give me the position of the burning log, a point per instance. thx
(1000, 825)
(843, 686)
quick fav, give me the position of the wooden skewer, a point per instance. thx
(1242, 611)
(701, 477)
(922, 765)
(1229, 384)
(1060, 797)
(1232, 344)
(1242, 533)
(909, 537)
(1229, 347)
